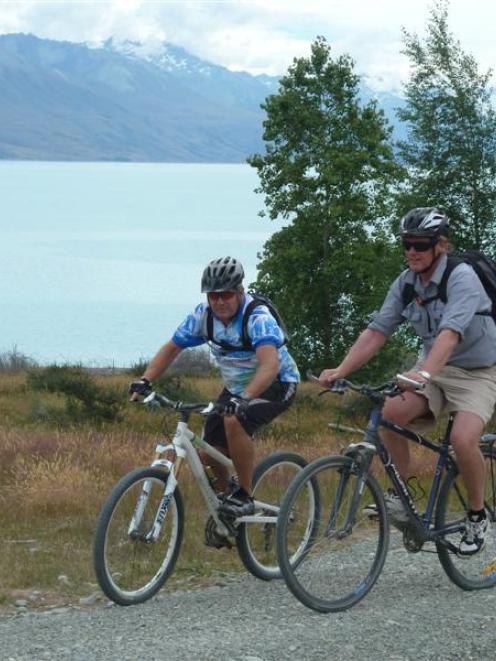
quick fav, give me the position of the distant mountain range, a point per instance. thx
(115, 102)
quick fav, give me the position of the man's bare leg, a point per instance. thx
(465, 435)
(241, 451)
(402, 410)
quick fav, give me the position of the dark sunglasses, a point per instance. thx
(221, 295)
(418, 246)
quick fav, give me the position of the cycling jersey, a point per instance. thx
(238, 367)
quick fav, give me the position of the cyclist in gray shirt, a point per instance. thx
(457, 364)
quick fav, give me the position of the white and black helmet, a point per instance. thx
(223, 274)
(424, 221)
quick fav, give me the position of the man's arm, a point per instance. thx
(161, 360)
(267, 371)
(440, 351)
(436, 359)
(366, 346)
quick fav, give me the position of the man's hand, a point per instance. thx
(328, 376)
(140, 387)
(418, 377)
(237, 406)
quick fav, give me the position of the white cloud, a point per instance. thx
(259, 35)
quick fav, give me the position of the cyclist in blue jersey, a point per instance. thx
(260, 379)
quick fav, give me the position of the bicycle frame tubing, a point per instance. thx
(421, 522)
(185, 444)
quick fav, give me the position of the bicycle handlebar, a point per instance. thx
(204, 408)
(153, 398)
(388, 388)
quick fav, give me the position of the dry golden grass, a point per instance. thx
(54, 481)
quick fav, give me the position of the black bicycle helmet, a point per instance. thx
(424, 221)
(224, 274)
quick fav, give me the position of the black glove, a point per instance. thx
(237, 406)
(142, 386)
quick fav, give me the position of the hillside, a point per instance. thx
(115, 102)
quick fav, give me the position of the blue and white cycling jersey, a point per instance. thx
(238, 367)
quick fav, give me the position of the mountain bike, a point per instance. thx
(141, 525)
(347, 550)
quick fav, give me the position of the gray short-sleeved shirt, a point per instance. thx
(465, 297)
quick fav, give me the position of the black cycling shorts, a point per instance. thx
(279, 396)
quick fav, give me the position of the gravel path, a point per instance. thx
(413, 613)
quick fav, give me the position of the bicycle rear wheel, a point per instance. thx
(129, 566)
(478, 571)
(347, 550)
(256, 541)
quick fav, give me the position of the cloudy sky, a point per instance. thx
(260, 36)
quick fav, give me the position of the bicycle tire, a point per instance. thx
(256, 542)
(340, 565)
(477, 572)
(130, 569)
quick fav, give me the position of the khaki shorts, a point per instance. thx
(458, 389)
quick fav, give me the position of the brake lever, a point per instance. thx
(150, 400)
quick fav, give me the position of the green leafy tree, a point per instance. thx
(328, 169)
(450, 153)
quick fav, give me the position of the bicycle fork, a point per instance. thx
(171, 483)
(154, 532)
(361, 455)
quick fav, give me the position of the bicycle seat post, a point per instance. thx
(447, 434)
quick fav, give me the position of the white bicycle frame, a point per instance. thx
(185, 444)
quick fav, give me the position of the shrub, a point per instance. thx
(190, 362)
(85, 399)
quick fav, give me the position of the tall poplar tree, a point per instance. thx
(450, 153)
(328, 169)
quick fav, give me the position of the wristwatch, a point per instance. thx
(424, 374)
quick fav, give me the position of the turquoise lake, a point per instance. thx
(100, 261)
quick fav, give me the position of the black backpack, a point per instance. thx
(246, 343)
(482, 265)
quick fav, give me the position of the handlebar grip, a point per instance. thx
(417, 385)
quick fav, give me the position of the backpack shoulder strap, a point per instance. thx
(210, 325)
(408, 294)
(245, 339)
(452, 262)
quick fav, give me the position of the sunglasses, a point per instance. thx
(221, 295)
(418, 246)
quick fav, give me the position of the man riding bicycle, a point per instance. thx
(457, 365)
(260, 378)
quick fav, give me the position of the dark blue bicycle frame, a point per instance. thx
(420, 522)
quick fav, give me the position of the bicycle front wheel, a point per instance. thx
(130, 565)
(475, 572)
(348, 548)
(256, 540)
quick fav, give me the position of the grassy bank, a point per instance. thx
(56, 472)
